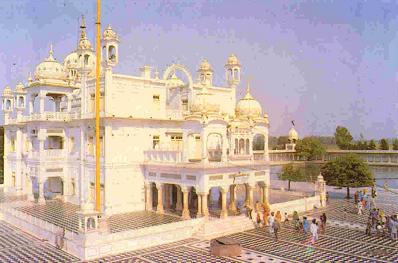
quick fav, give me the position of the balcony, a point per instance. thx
(50, 154)
(163, 155)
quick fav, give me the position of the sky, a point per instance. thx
(319, 63)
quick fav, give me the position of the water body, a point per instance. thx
(384, 175)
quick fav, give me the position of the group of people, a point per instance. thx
(382, 224)
(274, 220)
(363, 201)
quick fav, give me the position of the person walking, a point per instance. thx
(394, 228)
(278, 216)
(271, 220)
(360, 207)
(276, 227)
(286, 221)
(258, 218)
(314, 231)
(323, 223)
(265, 215)
(306, 225)
(296, 220)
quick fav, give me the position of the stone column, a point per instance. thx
(250, 195)
(42, 97)
(199, 205)
(203, 137)
(205, 208)
(265, 194)
(185, 210)
(246, 195)
(29, 191)
(159, 208)
(224, 211)
(179, 199)
(41, 199)
(167, 194)
(232, 198)
(148, 197)
(261, 194)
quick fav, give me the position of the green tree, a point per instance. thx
(372, 145)
(384, 145)
(310, 148)
(395, 144)
(347, 171)
(343, 137)
(291, 173)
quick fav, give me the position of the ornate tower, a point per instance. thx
(205, 73)
(20, 99)
(232, 71)
(84, 50)
(8, 103)
(110, 45)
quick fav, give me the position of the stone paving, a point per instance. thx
(64, 215)
(338, 244)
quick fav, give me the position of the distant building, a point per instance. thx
(292, 139)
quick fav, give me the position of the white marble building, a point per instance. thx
(162, 136)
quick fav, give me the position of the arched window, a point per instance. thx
(247, 146)
(214, 147)
(8, 104)
(236, 73)
(21, 102)
(112, 53)
(236, 150)
(230, 72)
(258, 142)
(241, 146)
(86, 57)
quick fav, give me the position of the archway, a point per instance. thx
(168, 73)
(214, 147)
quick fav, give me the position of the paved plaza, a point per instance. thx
(338, 244)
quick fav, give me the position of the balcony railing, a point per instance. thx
(170, 156)
(50, 154)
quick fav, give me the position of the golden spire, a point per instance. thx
(83, 29)
(51, 54)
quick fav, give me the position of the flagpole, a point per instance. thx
(97, 111)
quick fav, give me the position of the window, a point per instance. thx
(155, 141)
(72, 144)
(176, 142)
(184, 103)
(12, 145)
(156, 98)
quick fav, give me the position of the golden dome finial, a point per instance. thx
(83, 28)
(51, 53)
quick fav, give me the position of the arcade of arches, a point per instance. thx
(220, 201)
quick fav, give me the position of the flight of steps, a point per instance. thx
(216, 227)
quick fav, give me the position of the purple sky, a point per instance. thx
(322, 64)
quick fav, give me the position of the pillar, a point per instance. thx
(179, 199)
(203, 137)
(185, 210)
(232, 198)
(265, 192)
(261, 194)
(148, 197)
(41, 198)
(246, 195)
(159, 208)
(224, 211)
(167, 195)
(42, 97)
(29, 191)
(205, 207)
(250, 195)
(199, 205)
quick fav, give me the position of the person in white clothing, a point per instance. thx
(271, 220)
(314, 231)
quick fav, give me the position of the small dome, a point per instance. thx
(175, 81)
(7, 91)
(71, 61)
(248, 106)
(20, 88)
(109, 33)
(293, 135)
(233, 60)
(50, 68)
(205, 66)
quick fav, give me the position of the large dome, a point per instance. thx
(50, 68)
(248, 106)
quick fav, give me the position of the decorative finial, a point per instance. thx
(248, 87)
(83, 29)
(51, 54)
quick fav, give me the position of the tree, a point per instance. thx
(395, 144)
(372, 145)
(384, 145)
(349, 170)
(343, 137)
(291, 174)
(310, 148)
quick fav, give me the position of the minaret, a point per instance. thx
(205, 73)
